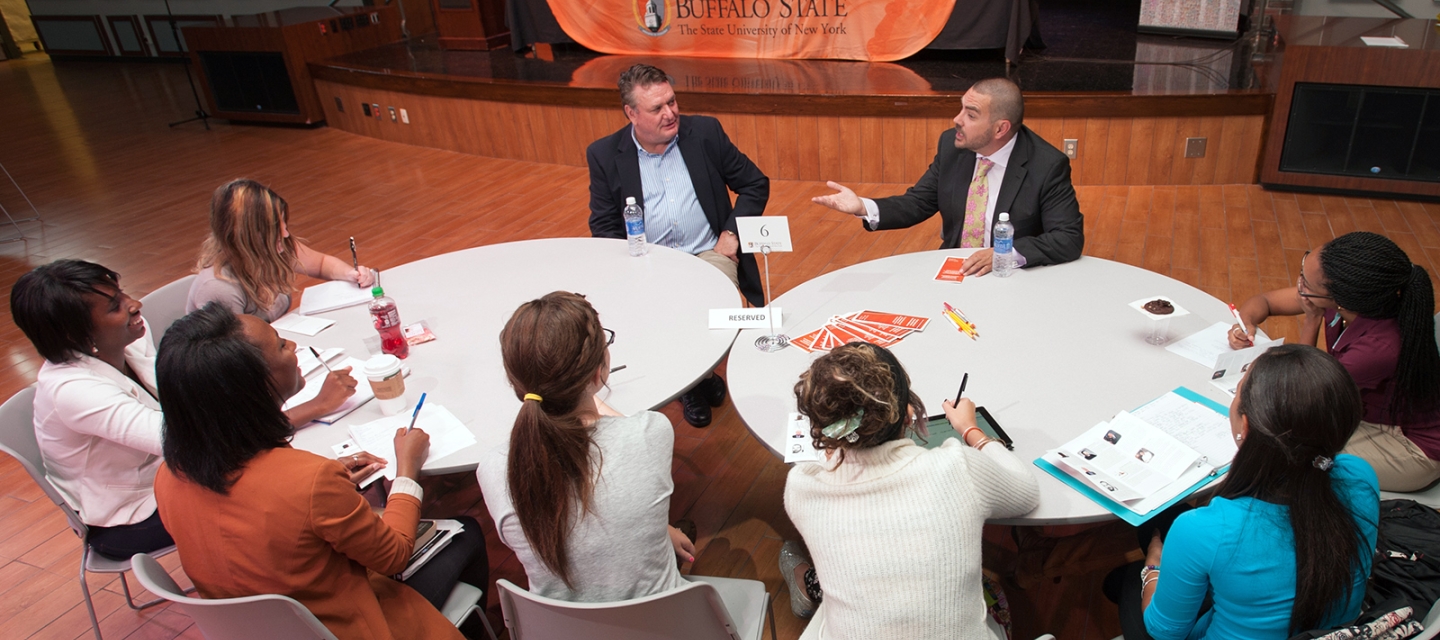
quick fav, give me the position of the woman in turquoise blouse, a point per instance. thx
(1286, 544)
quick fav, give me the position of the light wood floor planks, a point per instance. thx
(89, 143)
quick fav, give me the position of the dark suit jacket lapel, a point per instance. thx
(964, 172)
(627, 167)
(1014, 175)
(692, 149)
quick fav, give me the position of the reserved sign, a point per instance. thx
(745, 318)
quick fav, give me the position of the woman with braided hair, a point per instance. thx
(581, 493)
(893, 528)
(1375, 308)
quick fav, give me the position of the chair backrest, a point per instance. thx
(163, 306)
(17, 438)
(693, 611)
(264, 616)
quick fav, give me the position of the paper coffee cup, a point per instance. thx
(388, 383)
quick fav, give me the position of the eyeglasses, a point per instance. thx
(1305, 284)
(609, 336)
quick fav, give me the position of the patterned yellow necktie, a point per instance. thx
(973, 233)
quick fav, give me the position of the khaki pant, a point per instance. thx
(1399, 463)
(724, 264)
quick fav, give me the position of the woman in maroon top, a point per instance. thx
(1375, 308)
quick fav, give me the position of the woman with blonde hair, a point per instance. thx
(894, 528)
(250, 260)
(581, 493)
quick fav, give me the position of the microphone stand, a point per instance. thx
(200, 113)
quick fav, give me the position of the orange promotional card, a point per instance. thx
(903, 321)
(953, 270)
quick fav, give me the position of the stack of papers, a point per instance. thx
(1207, 345)
(316, 379)
(1146, 460)
(329, 296)
(447, 435)
(874, 327)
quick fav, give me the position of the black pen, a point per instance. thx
(617, 368)
(963, 381)
(354, 260)
(327, 367)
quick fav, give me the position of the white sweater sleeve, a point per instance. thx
(1002, 481)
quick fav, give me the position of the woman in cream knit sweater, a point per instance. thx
(894, 529)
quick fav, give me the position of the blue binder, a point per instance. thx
(1119, 509)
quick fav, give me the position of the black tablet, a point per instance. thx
(940, 430)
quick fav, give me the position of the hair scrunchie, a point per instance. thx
(533, 396)
(1323, 462)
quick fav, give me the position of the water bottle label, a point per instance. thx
(1004, 245)
(386, 318)
(635, 226)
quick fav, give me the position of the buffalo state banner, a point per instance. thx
(880, 30)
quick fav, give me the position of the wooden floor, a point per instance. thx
(89, 143)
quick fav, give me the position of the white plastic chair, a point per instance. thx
(706, 608)
(163, 306)
(272, 615)
(17, 438)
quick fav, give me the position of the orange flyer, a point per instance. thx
(953, 270)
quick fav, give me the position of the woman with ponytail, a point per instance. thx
(1285, 546)
(1375, 308)
(580, 493)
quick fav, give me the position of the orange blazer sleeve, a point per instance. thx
(341, 516)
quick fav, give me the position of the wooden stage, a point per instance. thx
(813, 120)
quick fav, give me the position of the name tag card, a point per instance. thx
(758, 233)
(744, 318)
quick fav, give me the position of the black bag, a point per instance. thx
(1407, 557)
(1406, 568)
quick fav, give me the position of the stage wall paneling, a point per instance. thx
(1112, 151)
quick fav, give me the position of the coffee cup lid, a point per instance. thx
(382, 365)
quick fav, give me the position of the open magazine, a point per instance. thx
(1143, 460)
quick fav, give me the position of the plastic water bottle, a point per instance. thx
(1003, 241)
(635, 227)
(387, 321)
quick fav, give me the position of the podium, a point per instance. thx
(255, 68)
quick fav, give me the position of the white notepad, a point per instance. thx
(333, 295)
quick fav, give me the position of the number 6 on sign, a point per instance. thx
(764, 234)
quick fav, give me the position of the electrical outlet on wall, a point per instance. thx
(1195, 147)
(404, 116)
(1072, 147)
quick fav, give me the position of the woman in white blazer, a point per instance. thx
(97, 418)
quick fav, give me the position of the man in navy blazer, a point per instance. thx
(682, 170)
(1027, 178)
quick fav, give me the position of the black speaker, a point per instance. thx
(249, 81)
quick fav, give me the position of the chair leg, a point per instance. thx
(486, 620)
(130, 600)
(85, 589)
(770, 612)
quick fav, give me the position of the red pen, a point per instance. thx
(1236, 313)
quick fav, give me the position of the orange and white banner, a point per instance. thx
(879, 30)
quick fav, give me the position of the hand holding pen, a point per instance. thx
(412, 446)
(363, 277)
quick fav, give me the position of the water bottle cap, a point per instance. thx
(1004, 217)
(377, 291)
(629, 200)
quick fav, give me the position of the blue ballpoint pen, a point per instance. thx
(415, 415)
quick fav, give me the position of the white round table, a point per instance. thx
(656, 304)
(1060, 350)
